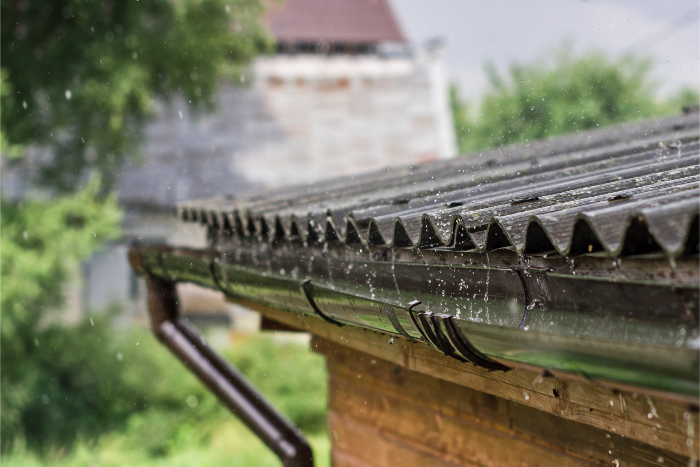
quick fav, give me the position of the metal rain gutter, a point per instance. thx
(634, 323)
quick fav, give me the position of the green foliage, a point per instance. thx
(562, 94)
(227, 443)
(294, 379)
(42, 243)
(97, 388)
(84, 73)
(80, 78)
(7, 150)
(682, 100)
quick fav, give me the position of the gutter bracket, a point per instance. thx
(307, 289)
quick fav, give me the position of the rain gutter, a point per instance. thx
(635, 324)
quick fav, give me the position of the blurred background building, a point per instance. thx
(344, 93)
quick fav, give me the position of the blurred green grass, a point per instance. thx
(229, 443)
(165, 416)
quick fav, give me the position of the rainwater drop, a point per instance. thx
(391, 340)
(68, 94)
(192, 401)
(120, 357)
(653, 409)
(92, 322)
(44, 399)
(660, 460)
(526, 396)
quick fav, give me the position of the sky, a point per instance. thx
(515, 31)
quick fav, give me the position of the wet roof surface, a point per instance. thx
(622, 190)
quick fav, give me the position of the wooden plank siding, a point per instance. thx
(380, 411)
(463, 415)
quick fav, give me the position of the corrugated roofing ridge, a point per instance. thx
(400, 176)
(586, 140)
(427, 227)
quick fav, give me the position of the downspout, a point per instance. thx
(230, 386)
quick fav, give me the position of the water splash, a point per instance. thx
(393, 270)
(653, 412)
(486, 294)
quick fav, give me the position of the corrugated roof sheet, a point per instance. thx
(624, 190)
(334, 21)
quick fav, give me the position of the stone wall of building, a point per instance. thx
(344, 115)
(302, 118)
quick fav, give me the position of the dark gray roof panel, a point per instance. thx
(624, 190)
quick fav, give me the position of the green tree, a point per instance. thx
(560, 94)
(84, 74)
(78, 80)
(42, 244)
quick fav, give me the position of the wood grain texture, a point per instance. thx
(660, 420)
(377, 449)
(462, 425)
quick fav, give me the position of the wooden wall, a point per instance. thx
(382, 415)
(406, 404)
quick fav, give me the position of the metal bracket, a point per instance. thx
(441, 333)
(308, 290)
